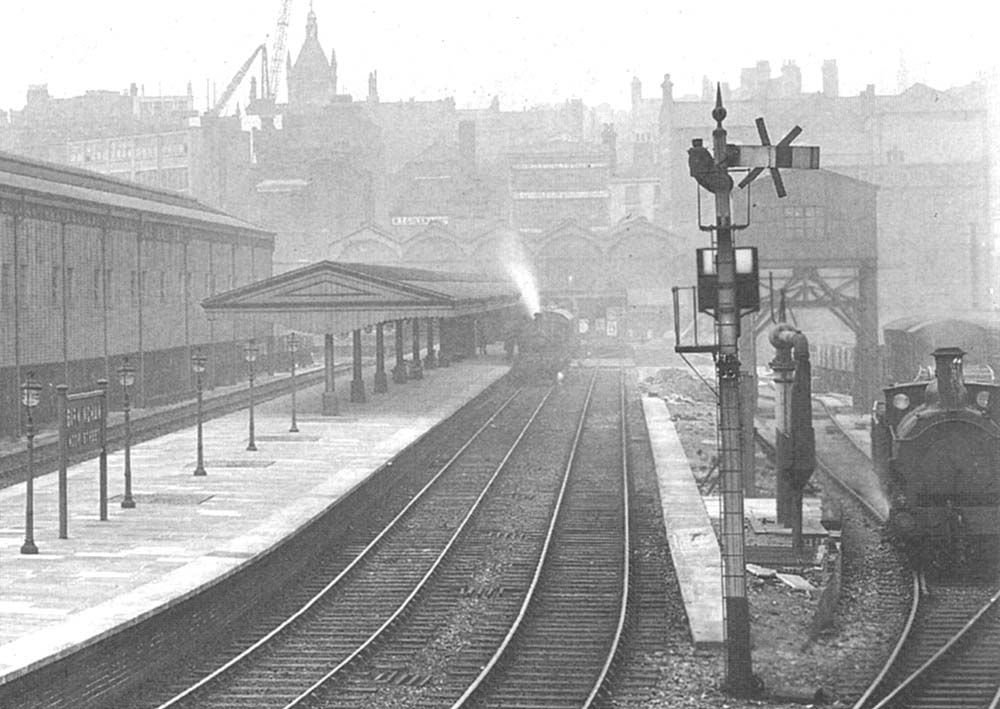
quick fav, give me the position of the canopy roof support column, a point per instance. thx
(329, 394)
(444, 336)
(381, 383)
(418, 372)
(357, 382)
(430, 359)
(399, 371)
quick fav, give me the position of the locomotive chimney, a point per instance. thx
(948, 377)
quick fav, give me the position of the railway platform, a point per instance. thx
(694, 547)
(186, 531)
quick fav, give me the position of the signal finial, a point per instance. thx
(718, 113)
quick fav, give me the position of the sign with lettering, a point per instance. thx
(84, 419)
(418, 220)
(82, 429)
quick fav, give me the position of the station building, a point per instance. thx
(94, 269)
(928, 151)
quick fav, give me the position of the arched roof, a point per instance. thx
(568, 231)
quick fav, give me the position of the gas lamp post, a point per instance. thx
(30, 391)
(198, 360)
(126, 377)
(250, 355)
(293, 346)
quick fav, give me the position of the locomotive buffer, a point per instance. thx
(722, 300)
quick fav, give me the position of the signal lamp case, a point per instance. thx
(747, 280)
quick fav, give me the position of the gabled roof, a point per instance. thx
(329, 297)
(368, 229)
(434, 230)
(639, 225)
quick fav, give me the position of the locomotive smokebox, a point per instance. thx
(947, 389)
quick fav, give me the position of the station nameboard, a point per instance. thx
(83, 426)
(418, 220)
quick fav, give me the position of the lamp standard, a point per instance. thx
(30, 391)
(126, 377)
(198, 360)
(250, 355)
(293, 346)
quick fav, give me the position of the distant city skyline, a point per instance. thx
(528, 53)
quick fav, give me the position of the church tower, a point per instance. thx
(312, 82)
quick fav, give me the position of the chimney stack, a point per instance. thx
(948, 377)
(831, 80)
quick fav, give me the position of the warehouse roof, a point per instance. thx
(82, 188)
(329, 297)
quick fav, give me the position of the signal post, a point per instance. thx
(726, 292)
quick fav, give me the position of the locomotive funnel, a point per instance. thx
(948, 379)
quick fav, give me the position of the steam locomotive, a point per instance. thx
(545, 344)
(936, 450)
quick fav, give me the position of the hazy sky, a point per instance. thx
(528, 52)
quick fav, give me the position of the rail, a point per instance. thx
(897, 649)
(13, 467)
(924, 669)
(265, 641)
(626, 570)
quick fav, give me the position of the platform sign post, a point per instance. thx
(83, 425)
(711, 171)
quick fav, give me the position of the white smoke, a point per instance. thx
(518, 266)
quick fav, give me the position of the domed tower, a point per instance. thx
(311, 81)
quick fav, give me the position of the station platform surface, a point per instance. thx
(186, 531)
(694, 546)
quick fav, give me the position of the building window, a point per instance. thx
(805, 222)
(97, 286)
(132, 286)
(69, 287)
(54, 290)
(163, 285)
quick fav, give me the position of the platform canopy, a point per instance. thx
(328, 297)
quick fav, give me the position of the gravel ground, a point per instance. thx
(836, 662)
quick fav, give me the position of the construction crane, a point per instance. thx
(270, 87)
(238, 77)
(270, 76)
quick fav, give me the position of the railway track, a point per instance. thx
(951, 657)
(948, 653)
(507, 530)
(559, 651)
(13, 468)
(876, 583)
